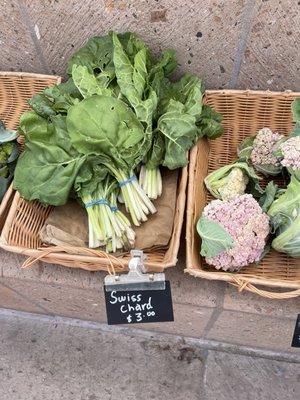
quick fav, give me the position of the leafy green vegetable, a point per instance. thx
(95, 55)
(245, 149)
(214, 238)
(9, 153)
(296, 109)
(209, 124)
(88, 84)
(6, 135)
(285, 219)
(105, 125)
(132, 80)
(269, 195)
(47, 169)
(179, 131)
(55, 99)
(119, 113)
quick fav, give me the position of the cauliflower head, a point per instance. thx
(234, 232)
(237, 181)
(291, 155)
(263, 155)
(231, 180)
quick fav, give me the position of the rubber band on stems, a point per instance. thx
(96, 202)
(132, 178)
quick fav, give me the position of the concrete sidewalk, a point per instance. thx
(222, 344)
(54, 358)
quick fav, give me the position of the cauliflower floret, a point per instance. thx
(246, 223)
(291, 153)
(263, 155)
(236, 184)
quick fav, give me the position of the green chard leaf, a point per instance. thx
(209, 124)
(106, 126)
(179, 131)
(88, 84)
(132, 80)
(47, 168)
(55, 99)
(155, 155)
(215, 239)
(96, 54)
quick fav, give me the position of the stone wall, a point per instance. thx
(231, 44)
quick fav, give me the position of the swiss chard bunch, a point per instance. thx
(118, 115)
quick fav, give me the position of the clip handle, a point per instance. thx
(136, 263)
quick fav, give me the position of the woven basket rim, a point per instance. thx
(29, 75)
(253, 92)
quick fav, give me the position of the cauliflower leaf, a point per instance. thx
(215, 239)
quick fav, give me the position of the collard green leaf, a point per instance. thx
(214, 238)
(47, 168)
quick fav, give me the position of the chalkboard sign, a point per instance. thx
(296, 337)
(139, 306)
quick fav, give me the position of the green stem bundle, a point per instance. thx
(151, 182)
(136, 201)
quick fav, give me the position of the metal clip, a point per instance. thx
(136, 278)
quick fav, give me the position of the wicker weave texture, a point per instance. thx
(15, 89)
(244, 113)
(25, 219)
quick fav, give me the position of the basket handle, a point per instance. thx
(243, 284)
(114, 264)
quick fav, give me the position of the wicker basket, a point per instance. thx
(244, 113)
(15, 89)
(25, 219)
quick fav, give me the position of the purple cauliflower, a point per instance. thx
(233, 232)
(263, 155)
(291, 155)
